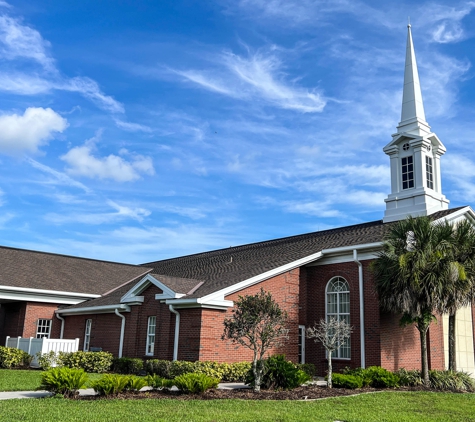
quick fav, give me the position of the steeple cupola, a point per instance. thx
(414, 154)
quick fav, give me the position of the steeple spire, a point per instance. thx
(414, 152)
(413, 118)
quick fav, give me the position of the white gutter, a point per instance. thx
(104, 309)
(362, 327)
(48, 292)
(177, 331)
(122, 331)
(62, 324)
(352, 248)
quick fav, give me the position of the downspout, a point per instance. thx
(362, 327)
(177, 331)
(62, 324)
(122, 331)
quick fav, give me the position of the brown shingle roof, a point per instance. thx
(224, 267)
(47, 271)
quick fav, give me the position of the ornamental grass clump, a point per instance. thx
(158, 383)
(111, 384)
(65, 381)
(195, 383)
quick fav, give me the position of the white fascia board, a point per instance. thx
(148, 280)
(104, 309)
(344, 249)
(160, 296)
(200, 303)
(465, 211)
(44, 296)
(221, 294)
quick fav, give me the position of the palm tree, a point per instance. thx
(460, 290)
(411, 274)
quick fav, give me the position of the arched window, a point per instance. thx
(338, 306)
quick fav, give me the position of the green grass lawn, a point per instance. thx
(25, 380)
(378, 407)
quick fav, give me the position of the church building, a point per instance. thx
(175, 308)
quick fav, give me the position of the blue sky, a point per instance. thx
(140, 130)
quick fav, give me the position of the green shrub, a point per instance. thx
(195, 383)
(158, 367)
(212, 369)
(111, 384)
(374, 376)
(127, 365)
(180, 367)
(99, 362)
(11, 357)
(347, 381)
(236, 372)
(158, 383)
(65, 381)
(48, 360)
(136, 383)
(279, 374)
(451, 380)
(308, 368)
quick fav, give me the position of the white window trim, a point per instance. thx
(87, 335)
(39, 323)
(150, 344)
(326, 313)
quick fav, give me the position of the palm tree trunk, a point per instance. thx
(424, 361)
(452, 344)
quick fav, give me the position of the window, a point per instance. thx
(338, 306)
(87, 335)
(301, 343)
(152, 321)
(429, 175)
(407, 172)
(43, 328)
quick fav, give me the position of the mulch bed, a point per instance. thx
(302, 393)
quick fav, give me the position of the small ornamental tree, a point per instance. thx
(258, 323)
(333, 334)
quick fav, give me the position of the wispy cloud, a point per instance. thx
(57, 177)
(19, 42)
(447, 21)
(260, 76)
(132, 127)
(25, 133)
(120, 213)
(82, 162)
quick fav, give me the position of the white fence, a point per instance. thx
(44, 345)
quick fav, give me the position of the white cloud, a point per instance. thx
(259, 76)
(90, 89)
(58, 177)
(82, 162)
(448, 21)
(132, 127)
(19, 133)
(20, 41)
(121, 212)
(22, 84)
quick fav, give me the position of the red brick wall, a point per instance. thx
(20, 319)
(401, 346)
(317, 280)
(203, 341)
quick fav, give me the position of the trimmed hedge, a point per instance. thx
(346, 381)
(234, 372)
(127, 365)
(11, 357)
(375, 376)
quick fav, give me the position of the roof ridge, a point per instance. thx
(216, 252)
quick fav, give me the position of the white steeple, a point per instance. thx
(414, 153)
